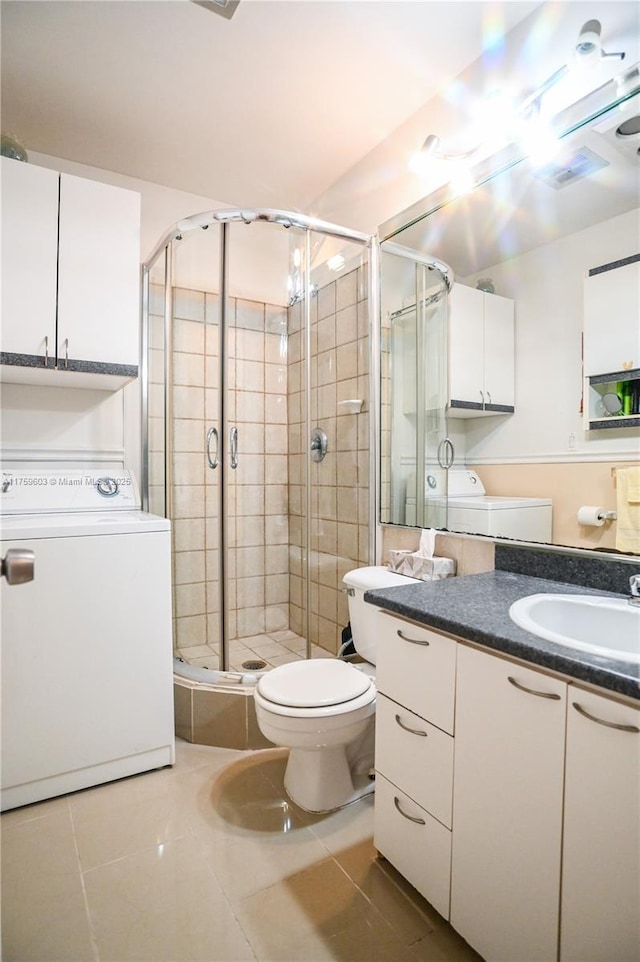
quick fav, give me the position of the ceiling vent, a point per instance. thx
(226, 8)
(579, 164)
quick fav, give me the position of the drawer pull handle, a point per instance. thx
(532, 691)
(412, 818)
(601, 721)
(413, 731)
(414, 641)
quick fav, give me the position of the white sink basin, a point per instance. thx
(603, 626)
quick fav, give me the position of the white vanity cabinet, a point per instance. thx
(415, 677)
(520, 822)
(70, 267)
(600, 908)
(507, 808)
(481, 353)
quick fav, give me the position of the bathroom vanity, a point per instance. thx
(508, 772)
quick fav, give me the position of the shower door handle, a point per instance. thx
(446, 453)
(212, 461)
(233, 447)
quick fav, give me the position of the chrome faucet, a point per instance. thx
(634, 585)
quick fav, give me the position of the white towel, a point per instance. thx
(628, 508)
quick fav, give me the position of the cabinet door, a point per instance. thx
(29, 258)
(611, 311)
(499, 350)
(413, 841)
(466, 344)
(98, 287)
(507, 808)
(416, 756)
(601, 856)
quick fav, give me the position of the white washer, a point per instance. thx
(471, 511)
(87, 693)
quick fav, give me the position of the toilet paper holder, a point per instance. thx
(590, 515)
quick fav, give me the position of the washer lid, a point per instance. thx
(313, 683)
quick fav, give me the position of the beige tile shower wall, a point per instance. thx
(339, 485)
(569, 485)
(258, 523)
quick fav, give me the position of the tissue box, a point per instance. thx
(414, 565)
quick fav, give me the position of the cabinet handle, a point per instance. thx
(46, 351)
(66, 353)
(413, 731)
(532, 691)
(482, 396)
(412, 818)
(414, 641)
(489, 396)
(601, 721)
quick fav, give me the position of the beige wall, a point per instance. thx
(569, 486)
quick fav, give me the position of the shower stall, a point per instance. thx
(258, 349)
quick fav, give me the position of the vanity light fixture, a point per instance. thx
(536, 134)
(589, 50)
(226, 8)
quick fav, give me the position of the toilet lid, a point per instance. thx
(313, 683)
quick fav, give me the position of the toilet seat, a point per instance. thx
(314, 689)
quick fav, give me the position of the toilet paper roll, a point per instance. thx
(590, 515)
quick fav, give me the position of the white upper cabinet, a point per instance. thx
(99, 265)
(612, 320)
(481, 353)
(70, 266)
(29, 259)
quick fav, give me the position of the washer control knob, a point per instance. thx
(107, 487)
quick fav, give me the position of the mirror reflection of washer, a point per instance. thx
(107, 487)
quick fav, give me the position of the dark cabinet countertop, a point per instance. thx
(476, 608)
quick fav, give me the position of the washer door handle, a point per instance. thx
(18, 566)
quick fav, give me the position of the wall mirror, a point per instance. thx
(488, 421)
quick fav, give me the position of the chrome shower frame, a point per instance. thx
(285, 219)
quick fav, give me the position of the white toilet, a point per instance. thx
(323, 709)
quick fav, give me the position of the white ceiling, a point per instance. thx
(267, 109)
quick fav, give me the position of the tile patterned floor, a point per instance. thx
(276, 648)
(207, 861)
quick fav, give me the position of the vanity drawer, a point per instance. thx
(417, 668)
(413, 841)
(417, 756)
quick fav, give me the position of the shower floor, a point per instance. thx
(274, 648)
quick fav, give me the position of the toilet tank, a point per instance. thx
(363, 616)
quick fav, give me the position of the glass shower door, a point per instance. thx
(415, 450)
(253, 419)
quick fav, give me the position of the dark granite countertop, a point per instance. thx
(476, 608)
